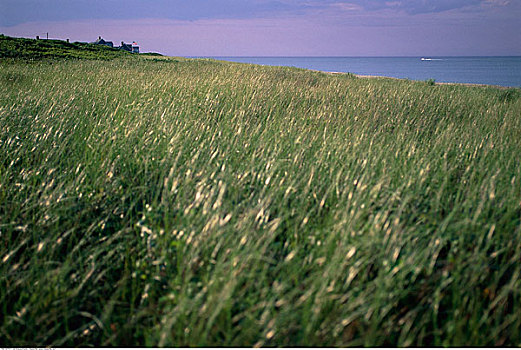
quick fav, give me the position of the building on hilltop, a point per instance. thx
(126, 47)
(135, 48)
(101, 41)
(129, 47)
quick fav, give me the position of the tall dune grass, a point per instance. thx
(199, 203)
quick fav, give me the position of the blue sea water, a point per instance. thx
(503, 71)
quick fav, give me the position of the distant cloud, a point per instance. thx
(497, 2)
(13, 12)
(419, 6)
(347, 6)
(412, 7)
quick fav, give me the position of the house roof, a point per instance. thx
(101, 41)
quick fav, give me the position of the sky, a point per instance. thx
(278, 27)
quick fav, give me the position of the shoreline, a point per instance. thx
(436, 83)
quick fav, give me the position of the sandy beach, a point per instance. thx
(437, 83)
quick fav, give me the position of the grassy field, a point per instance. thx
(174, 202)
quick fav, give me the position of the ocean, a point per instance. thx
(503, 71)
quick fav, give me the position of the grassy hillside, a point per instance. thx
(31, 49)
(197, 203)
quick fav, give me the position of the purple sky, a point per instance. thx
(278, 27)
